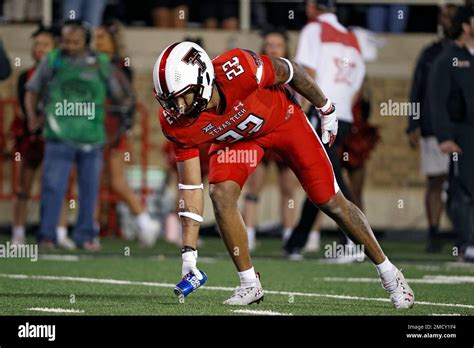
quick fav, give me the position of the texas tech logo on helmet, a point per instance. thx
(193, 57)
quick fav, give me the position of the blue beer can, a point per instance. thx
(189, 283)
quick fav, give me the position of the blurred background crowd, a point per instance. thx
(100, 162)
(209, 14)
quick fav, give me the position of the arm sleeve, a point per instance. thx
(40, 78)
(309, 46)
(439, 84)
(418, 86)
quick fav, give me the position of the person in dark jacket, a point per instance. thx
(434, 163)
(451, 98)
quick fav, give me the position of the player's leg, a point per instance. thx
(89, 164)
(62, 239)
(253, 188)
(224, 196)
(354, 223)
(434, 208)
(20, 203)
(227, 175)
(58, 160)
(316, 174)
(357, 180)
(287, 183)
(314, 240)
(148, 228)
(31, 153)
(317, 177)
(300, 234)
(298, 238)
(118, 183)
(435, 166)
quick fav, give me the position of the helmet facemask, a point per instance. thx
(189, 115)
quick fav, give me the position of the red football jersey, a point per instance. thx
(253, 106)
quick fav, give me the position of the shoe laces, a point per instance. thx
(242, 291)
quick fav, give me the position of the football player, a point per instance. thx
(239, 103)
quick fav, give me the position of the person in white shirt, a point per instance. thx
(330, 53)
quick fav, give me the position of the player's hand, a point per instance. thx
(329, 123)
(449, 146)
(189, 264)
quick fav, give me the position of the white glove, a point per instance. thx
(189, 264)
(329, 122)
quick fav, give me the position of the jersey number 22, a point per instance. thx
(232, 68)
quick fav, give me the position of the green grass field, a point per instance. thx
(111, 283)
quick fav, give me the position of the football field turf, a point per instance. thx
(111, 283)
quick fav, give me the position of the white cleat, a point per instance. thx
(246, 296)
(401, 294)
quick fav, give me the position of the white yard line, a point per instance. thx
(463, 265)
(427, 279)
(55, 310)
(446, 314)
(86, 280)
(257, 312)
(53, 257)
(422, 267)
(218, 288)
